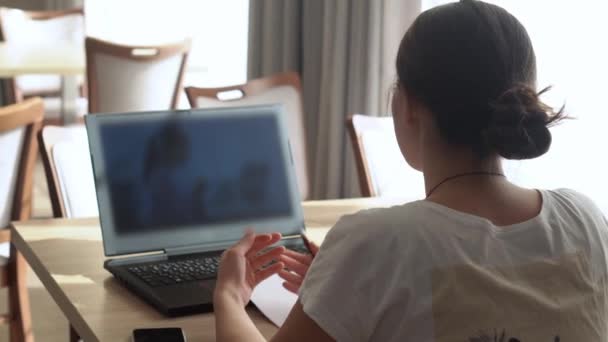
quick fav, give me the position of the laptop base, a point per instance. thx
(172, 300)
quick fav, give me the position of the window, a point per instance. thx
(219, 32)
(569, 41)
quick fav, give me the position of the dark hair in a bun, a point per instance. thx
(472, 64)
(519, 125)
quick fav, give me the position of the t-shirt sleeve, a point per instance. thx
(340, 287)
(584, 205)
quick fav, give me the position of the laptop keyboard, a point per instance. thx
(185, 270)
(177, 272)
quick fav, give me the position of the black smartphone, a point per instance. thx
(159, 335)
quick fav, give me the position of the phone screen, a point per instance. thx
(158, 335)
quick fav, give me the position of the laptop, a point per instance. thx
(176, 188)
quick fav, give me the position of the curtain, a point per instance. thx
(3, 97)
(344, 51)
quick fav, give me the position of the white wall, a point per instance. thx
(569, 39)
(218, 28)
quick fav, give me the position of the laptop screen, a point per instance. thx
(199, 177)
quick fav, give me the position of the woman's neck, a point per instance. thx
(445, 162)
(481, 192)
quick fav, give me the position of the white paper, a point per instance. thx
(273, 300)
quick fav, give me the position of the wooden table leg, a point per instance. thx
(74, 337)
(19, 304)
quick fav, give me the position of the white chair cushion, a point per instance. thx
(11, 143)
(4, 252)
(125, 85)
(391, 176)
(75, 174)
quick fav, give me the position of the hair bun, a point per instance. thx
(518, 128)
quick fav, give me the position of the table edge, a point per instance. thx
(60, 298)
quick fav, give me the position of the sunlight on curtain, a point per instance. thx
(572, 55)
(218, 30)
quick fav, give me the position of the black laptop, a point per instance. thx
(176, 188)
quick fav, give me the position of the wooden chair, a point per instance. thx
(381, 167)
(19, 124)
(282, 88)
(68, 169)
(41, 27)
(134, 78)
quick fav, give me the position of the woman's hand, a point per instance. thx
(296, 265)
(241, 267)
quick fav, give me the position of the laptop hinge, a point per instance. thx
(290, 237)
(208, 247)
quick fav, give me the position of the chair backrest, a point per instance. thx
(68, 169)
(382, 168)
(134, 78)
(284, 88)
(43, 27)
(19, 125)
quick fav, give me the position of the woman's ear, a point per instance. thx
(406, 108)
(398, 101)
(409, 106)
(407, 127)
(403, 112)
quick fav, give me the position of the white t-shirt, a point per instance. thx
(424, 272)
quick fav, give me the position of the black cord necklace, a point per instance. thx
(485, 173)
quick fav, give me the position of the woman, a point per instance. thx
(480, 259)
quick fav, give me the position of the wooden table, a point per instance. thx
(64, 59)
(57, 59)
(67, 256)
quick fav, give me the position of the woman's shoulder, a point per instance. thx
(570, 195)
(566, 200)
(385, 235)
(381, 223)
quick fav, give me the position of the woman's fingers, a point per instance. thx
(291, 277)
(293, 265)
(303, 258)
(259, 261)
(292, 282)
(291, 287)
(314, 249)
(245, 243)
(263, 274)
(260, 241)
(275, 237)
(263, 241)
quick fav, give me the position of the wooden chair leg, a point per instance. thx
(74, 337)
(19, 303)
